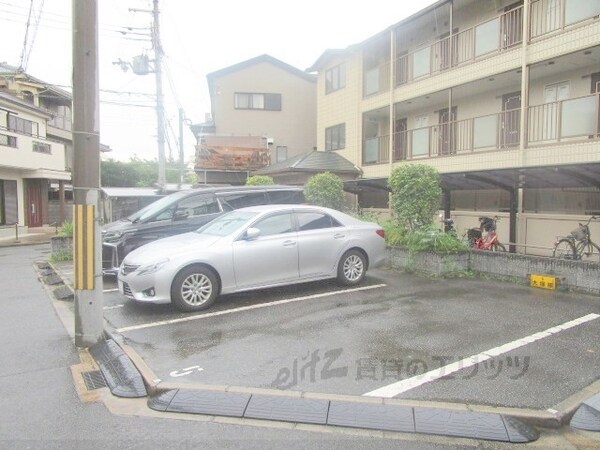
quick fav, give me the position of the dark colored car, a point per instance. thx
(182, 212)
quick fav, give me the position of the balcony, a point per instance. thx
(571, 120)
(484, 133)
(491, 36)
(550, 16)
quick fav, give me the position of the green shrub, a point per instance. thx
(416, 195)
(394, 234)
(66, 229)
(259, 180)
(64, 254)
(325, 189)
(432, 239)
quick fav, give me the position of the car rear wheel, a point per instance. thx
(352, 268)
(194, 288)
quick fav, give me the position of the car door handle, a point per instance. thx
(289, 243)
(339, 236)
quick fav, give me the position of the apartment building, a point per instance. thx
(502, 97)
(29, 160)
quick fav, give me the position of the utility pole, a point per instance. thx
(160, 107)
(86, 175)
(181, 158)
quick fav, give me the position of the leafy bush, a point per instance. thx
(416, 195)
(66, 229)
(61, 255)
(394, 234)
(259, 180)
(432, 239)
(325, 189)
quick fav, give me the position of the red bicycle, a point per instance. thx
(488, 241)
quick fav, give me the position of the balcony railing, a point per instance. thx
(487, 38)
(492, 36)
(571, 120)
(548, 16)
(376, 150)
(376, 79)
(565, 120)
(484, 133)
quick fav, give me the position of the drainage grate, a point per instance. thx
(93, 380)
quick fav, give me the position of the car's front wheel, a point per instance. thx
(352, 268)
(194, 288)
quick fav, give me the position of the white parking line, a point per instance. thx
(106, 308)
(410, 383)
(111, 290)
(246, 308)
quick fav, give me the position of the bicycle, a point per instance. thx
(474, 237)
(487, 241)
(578, 245)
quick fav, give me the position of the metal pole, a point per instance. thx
(181, 161)
(86, 175)
(160, 108)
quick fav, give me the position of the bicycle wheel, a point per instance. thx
(564, 249)
(585, 251)
(498, 247)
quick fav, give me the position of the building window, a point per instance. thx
(23, 126)
(8, 141)
(335, 78)
(335, 137)
(268, 102)
(41, 147)
(281, 153)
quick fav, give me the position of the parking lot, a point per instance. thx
(397, 335)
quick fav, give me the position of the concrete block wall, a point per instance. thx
(580, 276)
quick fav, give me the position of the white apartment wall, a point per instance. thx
(293, 126)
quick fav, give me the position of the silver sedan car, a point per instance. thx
(252, 248)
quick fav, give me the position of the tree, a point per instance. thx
(259, 180)
(325, 189)
(137, 173)
(416, 195)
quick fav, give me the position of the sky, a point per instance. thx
(198, 37)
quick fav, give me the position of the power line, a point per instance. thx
(26, 35)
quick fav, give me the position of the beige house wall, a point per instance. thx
(294, 126)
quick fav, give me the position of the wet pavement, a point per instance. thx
(474, 344)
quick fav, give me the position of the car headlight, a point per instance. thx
(151, 268)
(114, 236)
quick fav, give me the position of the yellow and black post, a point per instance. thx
(86, 175)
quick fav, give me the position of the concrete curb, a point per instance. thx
(534, 417)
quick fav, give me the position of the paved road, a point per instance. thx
(40, 408)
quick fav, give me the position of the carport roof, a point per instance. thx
(543, 177)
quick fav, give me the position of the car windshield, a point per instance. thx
(227, 223)
(152, 209)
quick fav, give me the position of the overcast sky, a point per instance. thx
(198, 37)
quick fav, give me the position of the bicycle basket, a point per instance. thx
(579, 233)
(473, 234)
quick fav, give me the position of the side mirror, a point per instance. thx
(252, 233)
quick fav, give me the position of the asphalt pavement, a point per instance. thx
(45, 406)
(42, 405)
